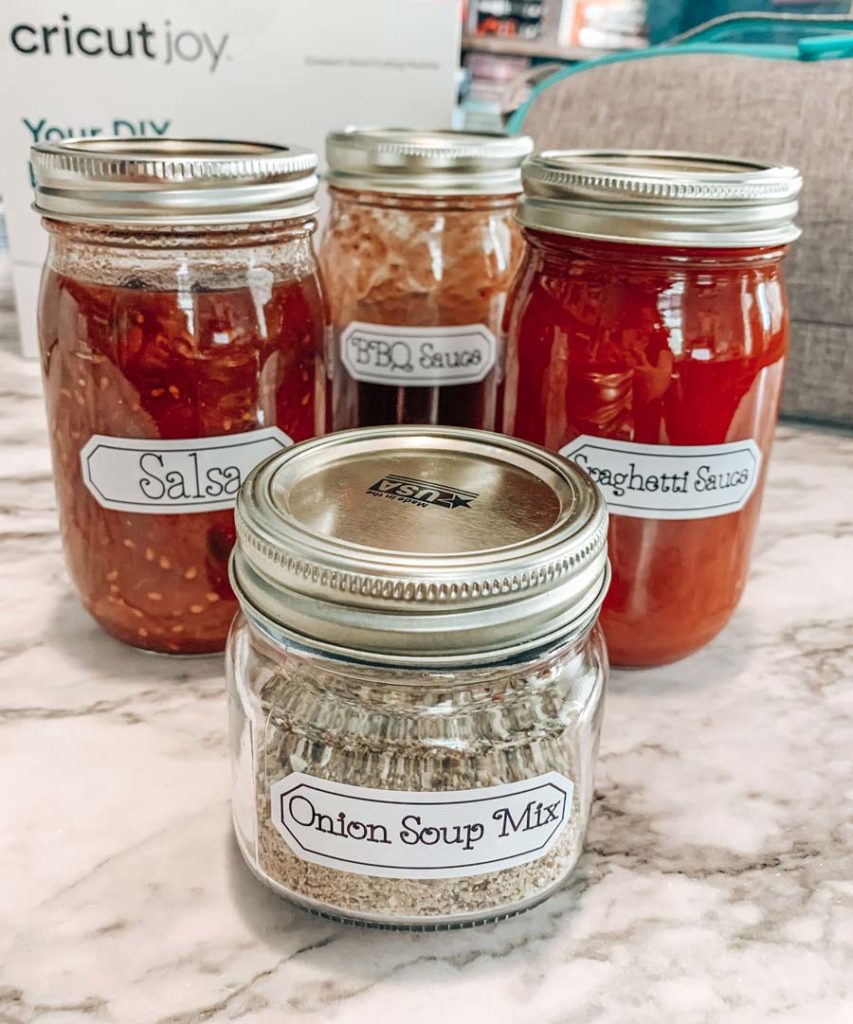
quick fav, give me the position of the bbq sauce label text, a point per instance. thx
(418, 356)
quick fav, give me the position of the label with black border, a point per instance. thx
(418, 356)
(661, 481)
(400, 834)
(199, 474)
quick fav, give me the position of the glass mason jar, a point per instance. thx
(416, 678)
(647, 334)
(182, 328)
(419, 251)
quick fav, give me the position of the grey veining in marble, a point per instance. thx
(717, 886)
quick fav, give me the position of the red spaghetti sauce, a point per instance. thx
(658, 369)
(122, 363)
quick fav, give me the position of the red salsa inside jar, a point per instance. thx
(160, 400)
(122, 363)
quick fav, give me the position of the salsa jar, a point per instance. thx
(181, 322)
(647, 336)
(418, 252)
(416, 679)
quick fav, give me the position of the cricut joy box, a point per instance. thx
(259, 69)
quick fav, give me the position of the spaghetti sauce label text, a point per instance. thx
(660, 481)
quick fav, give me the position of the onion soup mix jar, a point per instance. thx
(416, 677)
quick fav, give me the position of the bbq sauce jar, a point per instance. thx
(416, 677)
(647, 335)
(182, 323)
(419, 251)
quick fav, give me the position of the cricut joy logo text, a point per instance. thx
(166, 44)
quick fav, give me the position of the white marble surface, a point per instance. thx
(717, 887)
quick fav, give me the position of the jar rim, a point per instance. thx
(645, 250)
(410, 162)
(172, 181)
(519, 654)
(169, 237)
(348, 541)
(661, 198)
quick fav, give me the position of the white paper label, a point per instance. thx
(418, 356)
(200, 474)
(661, 481)
(396, 834)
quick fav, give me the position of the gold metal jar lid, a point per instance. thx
(409, 162)
(420, 545)
(659, 198)
(173, 181)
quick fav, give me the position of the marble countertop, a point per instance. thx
(717, 885)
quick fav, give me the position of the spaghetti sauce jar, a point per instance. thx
(419, 252)
(181, 322)
(647, 334)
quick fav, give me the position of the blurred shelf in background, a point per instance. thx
(533, 48)
(510, 45)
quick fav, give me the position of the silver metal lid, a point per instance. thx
(409, 162)
(173, 181)
(420, 545)
(656, 198)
